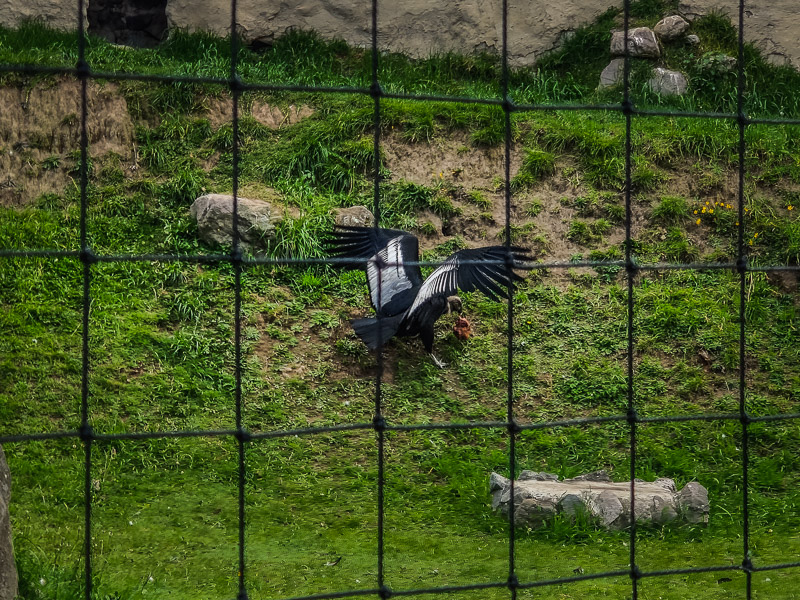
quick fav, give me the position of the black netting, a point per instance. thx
(84, 72)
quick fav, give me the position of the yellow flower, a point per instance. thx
(755, 236)
(711, 211)
(695, 212)
(730, 205)
(737, 223)
(790, 207)
(706, 202)
(697, 222)
(704, 209)
(751, 242)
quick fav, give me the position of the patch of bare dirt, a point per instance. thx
(452, 159)
(40, 129)
(220, 112)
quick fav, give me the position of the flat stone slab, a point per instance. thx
(539, 496)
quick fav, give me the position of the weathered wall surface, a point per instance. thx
(771, 25)
(422, 27)
(60, 14)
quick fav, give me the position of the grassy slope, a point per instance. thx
(164, 511)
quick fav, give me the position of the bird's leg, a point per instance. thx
(436, 361)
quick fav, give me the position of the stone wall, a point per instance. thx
(422, 27)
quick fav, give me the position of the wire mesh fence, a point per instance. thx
(90, 260)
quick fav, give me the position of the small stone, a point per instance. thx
(354, 216)
(693, 500)
(642, 43)
(671, 28)
(668, 83)
(692, 39)
(612, 75)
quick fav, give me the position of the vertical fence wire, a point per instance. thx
(742, 268)
(379, 424)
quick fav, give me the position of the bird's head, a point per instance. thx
(454, 303)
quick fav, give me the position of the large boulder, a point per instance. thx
(214, 216)
(541, 496)
(642, 43)
(8, 569)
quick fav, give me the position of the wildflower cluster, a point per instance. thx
(708, 212)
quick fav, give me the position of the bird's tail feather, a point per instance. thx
(375, 333)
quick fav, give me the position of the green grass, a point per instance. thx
(164, 516)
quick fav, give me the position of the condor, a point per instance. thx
(404, 303)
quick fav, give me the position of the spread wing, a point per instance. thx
(392, 282)
(465, 270)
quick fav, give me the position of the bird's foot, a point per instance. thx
(437, 362)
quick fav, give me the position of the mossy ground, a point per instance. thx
(161, 358)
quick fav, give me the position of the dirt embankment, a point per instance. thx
(40, 133)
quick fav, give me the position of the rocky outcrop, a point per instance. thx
(214, 216)
(540, 496)
(8, 570)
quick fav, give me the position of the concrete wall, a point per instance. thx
(61, 14)
(422, 27)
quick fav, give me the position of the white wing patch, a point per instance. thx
(385, 283)
(444, 280)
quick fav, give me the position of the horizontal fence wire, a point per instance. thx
(379, 424)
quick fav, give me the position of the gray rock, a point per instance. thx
(607, 508)
(661, 510)
(600, 475)
(537, 476)
(671, 28)
(667, 483)
(612, 75)
(692, 39)
(668, 83)
(498, 482)
(214, 216)
(693, 502)
(539, 497)
(572, 504)
(642, 43)
(8, 569)
(534, 511)
(354, 216)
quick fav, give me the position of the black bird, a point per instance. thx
(405, 304)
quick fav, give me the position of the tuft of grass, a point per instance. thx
(671, 210)
(536, 165)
